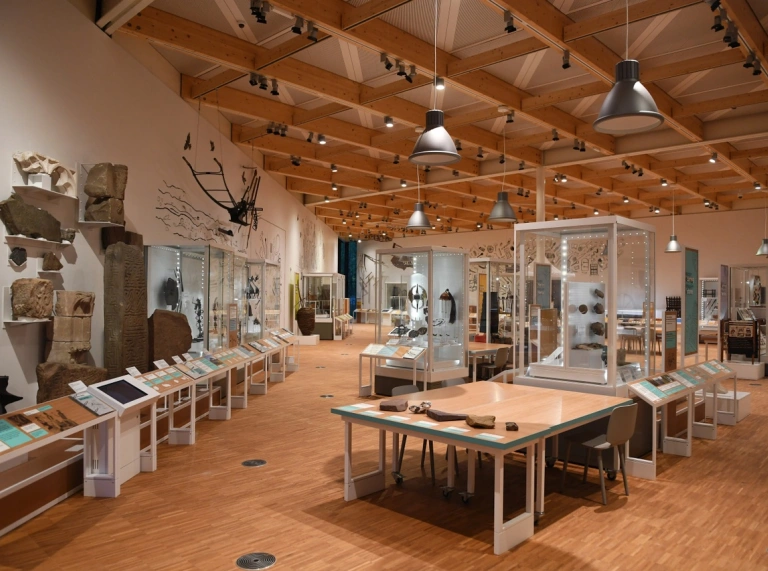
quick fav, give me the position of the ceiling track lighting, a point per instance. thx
(334, 168)
(640, 172)
(439, 83)
(396, 160)
(326, 199)
(389, 122)
(731, 36)
(386, 61)
(556, 218)
(253, 79)
(758, 68)
(626, 200)
(595, 212)
(434, 146)
(557, 178)
(575, 144)
(259, 10)
(555, 136)
(296, 161)
(457, 143)
(599, 191)
(511, 117)
(263, 83)
(566, 59)
(502, 160)
(713, 158)
(403, 184)
(334, 187)
(628, 108)
(283, 130)
(521, 166)
(321, 139)
(750, 62)
(309, 137)
(275, 91)
(455, 172)
(509, 22)
(583, 147)
(757, 185)
(657, 210)
(479, 152)
(664, 182)
(717, 26)
(563, 178)
(298, 25)
(400, 68)
(311, 31)
(270, 128)
(763, 249)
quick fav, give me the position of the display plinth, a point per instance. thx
(309, 339)
(729, 411)
(746, 370)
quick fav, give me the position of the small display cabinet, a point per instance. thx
(491, 299)
(325, 294)
(586, 303)
(432, 284)
(747, 292)
(259, 288)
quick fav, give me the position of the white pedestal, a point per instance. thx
(130, 447)
(309, 340)
(725, 405)
(746, 370)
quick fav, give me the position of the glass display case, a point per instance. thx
(272, 295)
(589, 319)
(325, 294)
(433, 286)
(709, 314)
(222, 308)
(252, 294)
(491, 299)
(748, 292)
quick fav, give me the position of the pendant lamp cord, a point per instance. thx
(418, 185)
(504, 150)
(673, 211)
(627, 34)
(434, 85)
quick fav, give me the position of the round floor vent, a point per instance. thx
(256, 561)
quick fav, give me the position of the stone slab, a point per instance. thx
(105, 210)
(74, 303)
(69, 329)
(53, 379)
(169, 335)
(51, 262)
(22, 218)
(67, 352)
(106, 180)
(113, 235)
(32, 297)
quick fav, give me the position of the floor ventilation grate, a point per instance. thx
(256, 561)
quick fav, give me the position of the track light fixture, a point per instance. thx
(713, 158)
(521, 166)
(527, 193)
(555, 136)
(758, 68)
(309, 137)
(389, 122)
(387, 63)
(563, 178)
(511, 117)
(411, 74)
(479, 152)
(566, 59)
(626, 200)
(706, 202)
(455, 172)
(731, 36)
(573, 206)
(718, 24)
(403, 184)
(583, 147)
(520, 191)
(557, 178)
(757, 185)
(321, 139)
(275, 90)
(599, 191)
(283, 130)
(334, 186)
(502, 160)
(253, 79)
(439, 83)
(263, 83)
(400, 68)
(556, 218)
(259, 9)
(396, 160)
(479, 225)
(575, 144)
(625, 164)
(344, 221)
(270, 128)
(554, 200)
(656, 210)
(357, 214)
(750, 60)
(326, 199)
(334, 168)
(298, 25)
(595, 212)
(509, 22)
(427, 168)
(640, 172)
(312, 31)
(295, 161)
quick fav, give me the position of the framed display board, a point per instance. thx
(691, 302)
(670, 340)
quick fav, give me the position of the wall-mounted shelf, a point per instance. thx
(34, 243)
(20, 184)
(82, 176)
(8, 312)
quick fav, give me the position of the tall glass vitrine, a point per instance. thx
(491, 299)
(324, 292)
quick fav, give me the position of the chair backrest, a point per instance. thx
(452, 382)
(510, 356)
(404, 390)
(621, 425)
(501, 357)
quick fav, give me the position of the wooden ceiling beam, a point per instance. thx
(731, 102)
(750, 153)
(750, 28)
(352, 17)
(494, 56)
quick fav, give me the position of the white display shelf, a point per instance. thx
(82, 176)
(8, 312)
(20, 184)
(14, 241)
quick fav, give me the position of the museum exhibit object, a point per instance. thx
(491, 299)
(324, 293)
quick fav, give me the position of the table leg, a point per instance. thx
(363, 391)
(474, 368)
(356, 487)
(471, 466)
(541, 466)
(507, 535)
(450, 484)
(395, 450)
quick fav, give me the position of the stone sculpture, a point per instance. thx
(169, 335)
(68, 335)
(125, 309)
(18, 257)
(68, 235)
(62, 177)
(51, 262)
(53, 378)
(74, 303)
(105, 187)
(22, 218)
(31, 297)
(114, 234)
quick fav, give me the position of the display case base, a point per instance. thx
(309, 339)
(725, 406)
(747, 370)
(619, 390)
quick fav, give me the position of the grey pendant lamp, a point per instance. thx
(502, 211)
(418, 220)
(673, 246)
(628, 108)
(763, 249)
(434, 146)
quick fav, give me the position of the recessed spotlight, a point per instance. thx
(321, 139)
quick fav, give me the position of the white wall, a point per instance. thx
(71, 92)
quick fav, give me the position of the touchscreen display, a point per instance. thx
(122, 391)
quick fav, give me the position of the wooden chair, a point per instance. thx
(404, 390)
(498, 364)
(621, 427)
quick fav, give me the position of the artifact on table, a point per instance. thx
(33, 163)
(6, 398)
(18, 257)
(125, 309)
(26, 220)
(51, 262)
(512, 426)
(481, 420)
(169, 334)
(68, 235)
(74, 303)
(394, 405)
(53, 378)
(442, 416)
(31, 297)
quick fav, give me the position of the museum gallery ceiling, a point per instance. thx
(334, 94)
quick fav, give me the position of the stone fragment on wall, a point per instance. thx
(67, 351)
(125, 309)
(33, 163)
(74, 303)
(26, 220)
(105, 210)
(68, 235)
(18, 257)
(113, 234)
(69, 329)
(53, 379)
(106, 180)
(31, 297)
(51, 262)
(169, 335)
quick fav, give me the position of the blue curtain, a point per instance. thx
(348, 267)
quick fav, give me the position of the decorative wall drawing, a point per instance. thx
(33, 163)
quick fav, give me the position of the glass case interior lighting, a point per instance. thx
(324, 292)
(591, 288)
(431, 284)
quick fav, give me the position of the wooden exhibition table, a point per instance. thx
(475, 350)
(401, 353)
(539, 414)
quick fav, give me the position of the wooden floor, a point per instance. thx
(201, 509)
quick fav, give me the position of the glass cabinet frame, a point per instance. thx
(605, 266)
(324, 292)
(492, 275)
